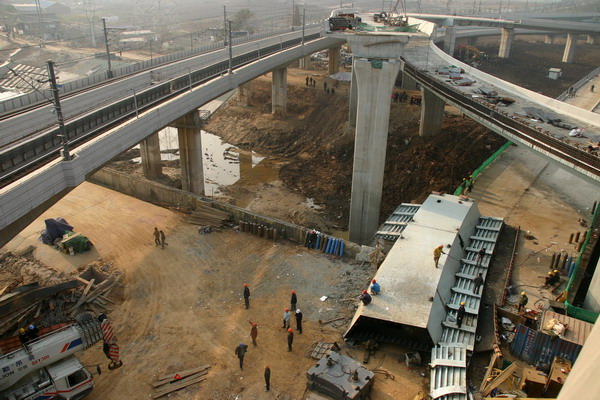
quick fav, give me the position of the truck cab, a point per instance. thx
(65, 379)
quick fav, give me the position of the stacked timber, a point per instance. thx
(208, 216)
(178, 380)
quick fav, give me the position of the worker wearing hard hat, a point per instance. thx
(365, 298)
(33, 332)
(437, 253)
(375, 288)
(523, 300)
(460, 315)
(23, 336)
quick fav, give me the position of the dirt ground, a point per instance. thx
(182, 307)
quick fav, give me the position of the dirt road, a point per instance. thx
(182, 307)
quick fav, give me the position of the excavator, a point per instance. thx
(47, 368)
(470, 53)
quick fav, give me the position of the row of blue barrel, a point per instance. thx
(328, 244)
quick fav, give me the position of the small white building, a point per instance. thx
(554, 73)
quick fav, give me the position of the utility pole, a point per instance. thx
(90, 15)
(303, 23)
(61, 122)
(224, 26)
(109, 74)
(230, 50)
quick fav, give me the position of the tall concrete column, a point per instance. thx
(450, 40)
(305, 62)
(372, 121)
(243, 94)
(590, 39)
(506, 39)
(432, 113)
(569, 48)
(279, 92)
(334, 60)
(150, 153)
(353, 101)
(408, 83)
(549, 39)
(190, 152)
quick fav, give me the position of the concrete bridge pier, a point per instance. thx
(150, 154)
(189, 131)
(244, 92)
(408, 83)
(506, 39)
(279, 92)
(432, 113)
(353, 101)
(305, 62)
(549, 39)
(590, 39)
(375, 83)
(450, 40)
(334, 60)
(569, 48)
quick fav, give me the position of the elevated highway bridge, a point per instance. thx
(108, 120)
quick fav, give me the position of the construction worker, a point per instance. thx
(592, 88)
(555, 277)
(23, 337)
(246, 296)
(460, 315)
(286, 318)
(33, 332)
(298, 316)
(548, 281)
(437, 253)
(240, 352)
(375, 288)
(523, 300)
(156, 236)
(253, 332)
(365, 297)
(477, 282)
(163, 240)
(480, 255)
(307, 81)
(267, 378)
(293, 301)
(290, 338)
(324, 86)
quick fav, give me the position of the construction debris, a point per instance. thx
(179, 380)
(340, 377)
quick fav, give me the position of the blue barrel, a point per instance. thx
(342, 247)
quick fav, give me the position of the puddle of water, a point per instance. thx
(224, 164)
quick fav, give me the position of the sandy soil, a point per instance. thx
(182, 307)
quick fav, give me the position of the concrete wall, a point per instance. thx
(154, 192)
(592, 298)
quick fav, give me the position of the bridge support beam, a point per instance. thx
(450, 40)
(279, 92)
(432, 113)
(375, 86)
(305, 62)
(569, 48)
(549, 39)
(334, 60)
(506, 39)
(190, 152)
(408, 83)
(590, 39)
(243, 94)
(150, 154)
(353, 101)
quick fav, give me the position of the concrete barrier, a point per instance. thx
(154, 192)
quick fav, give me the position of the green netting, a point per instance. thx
(378, 64)
(459, 190)
(577, 312)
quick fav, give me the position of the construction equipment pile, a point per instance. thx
(30, 299)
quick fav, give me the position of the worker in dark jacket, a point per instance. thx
(299, 321)
(477, 282)
(23, 337)
(33, 332)
(293, 301)
(240, 352)
(246, 296)
(523, 300)
(290, 337)
(267, 378)
(365, 297)
(460, 315)
(253, 331)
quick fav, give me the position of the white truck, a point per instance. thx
(47, 367)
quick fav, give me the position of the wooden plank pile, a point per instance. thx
(178, 380)
(94, 297)
(208, 216)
